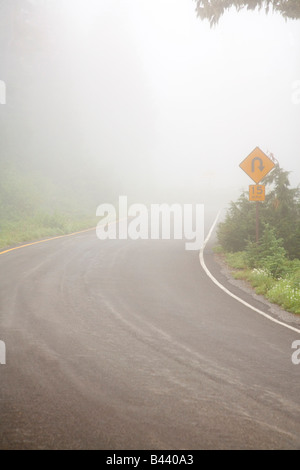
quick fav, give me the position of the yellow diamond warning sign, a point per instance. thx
(257, 165)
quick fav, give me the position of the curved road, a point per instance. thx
(129, 345)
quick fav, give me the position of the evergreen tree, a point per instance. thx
(281, 210)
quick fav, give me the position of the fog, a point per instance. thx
(144, 99)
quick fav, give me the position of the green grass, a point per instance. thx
(236, 260)
(33, 207)
(284, 291)
(284, 294)
(218, 249)
(42, 225)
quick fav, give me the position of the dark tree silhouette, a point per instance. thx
(212, 10)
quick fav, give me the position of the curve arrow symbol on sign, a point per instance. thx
(257, 165)
(260, 166)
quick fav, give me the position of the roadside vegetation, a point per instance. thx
(32, 208)
(271, 265)
(40, 226)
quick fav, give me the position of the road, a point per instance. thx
(129, 345)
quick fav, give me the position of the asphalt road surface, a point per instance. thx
(130, 345)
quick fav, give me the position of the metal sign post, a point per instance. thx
(257, 222)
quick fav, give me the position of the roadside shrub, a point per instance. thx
(268, 254)
(261, 279)
(285, 294)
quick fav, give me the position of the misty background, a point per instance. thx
(140, 98)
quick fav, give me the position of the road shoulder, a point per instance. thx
(222, 272)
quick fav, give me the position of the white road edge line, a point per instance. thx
(202, 262)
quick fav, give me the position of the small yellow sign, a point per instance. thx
(257, 192)
(257, 165)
